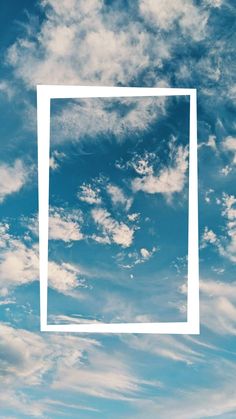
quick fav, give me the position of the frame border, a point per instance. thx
(44, 95)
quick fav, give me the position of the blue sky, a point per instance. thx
(118, 209)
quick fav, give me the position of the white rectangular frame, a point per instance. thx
(44, 95)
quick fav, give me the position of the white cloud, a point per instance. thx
(6, 89)
(6, 301)
(209, 237)
(145, 253)
(229, 212)
(133, 217)
(193, 402)
(117, 382)
(64, 225)
(169, 180)
(210, 143)
(165, 346)
(19, 351)
(117, 232)
(118, 197)
(218, 306)
(229, 203)
(89, 38)
(4, 234)
(82, 365)
(19, 265)
(208, 196)
(142, 165)
(226, 244)
(128, 261)
(64, 277)
(226, 170)
(89, 194)
(26, 359)
(165, 14)
(218, 289)
(12, 178)
(229, 145)
(80, 47)
(55, 159)
(94, 117)
(75, 364)
(61, 318)
(100, 239)
(214, 3)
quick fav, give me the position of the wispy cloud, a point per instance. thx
(215, 400)
(65, 225)
(118, 197)
(167, 14)
(81, 363)
(218, 306)
(168, 347)
(92, 118)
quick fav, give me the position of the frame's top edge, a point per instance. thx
(51, 91)
(90, 87)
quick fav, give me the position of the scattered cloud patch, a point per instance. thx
(226, 170)
(145, 253)
(211, 143)
(143, 165)
(133, 217)
(226, 244)
(55, 159)
(208, 195)
(209, 237)
(117, 232)
(19, 265)
(169, 179)
(130, 259)
(12, 178)
(89, 194)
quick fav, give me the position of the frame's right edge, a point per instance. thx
(193, 312)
